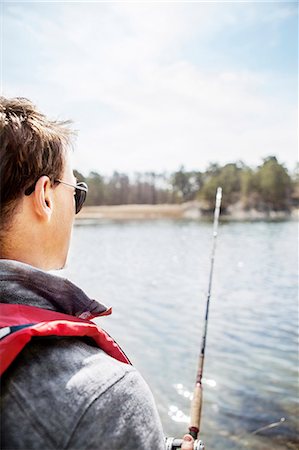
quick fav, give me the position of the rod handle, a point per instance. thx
(196, 409)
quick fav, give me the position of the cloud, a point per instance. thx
(140, 101)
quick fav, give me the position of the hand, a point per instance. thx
(188, 442)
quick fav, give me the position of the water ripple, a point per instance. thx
(155, 275)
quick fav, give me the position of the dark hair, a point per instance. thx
(30, 146)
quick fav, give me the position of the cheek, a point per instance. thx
(64, 218)
(69, 213)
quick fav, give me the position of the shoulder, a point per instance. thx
(123, 417)
(68, 365)
(94, 397)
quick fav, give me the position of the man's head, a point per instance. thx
(37, 211)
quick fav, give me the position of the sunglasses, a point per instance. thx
(80, 193)
(81, 190)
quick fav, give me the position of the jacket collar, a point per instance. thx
(23, 284)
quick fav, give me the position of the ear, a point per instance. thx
(43, 198)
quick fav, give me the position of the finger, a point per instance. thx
(187, 443)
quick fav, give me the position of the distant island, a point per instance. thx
(189, 210)
(268, 191)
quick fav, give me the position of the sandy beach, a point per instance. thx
(127, 212)
(190, 210)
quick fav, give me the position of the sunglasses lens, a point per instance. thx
(80, 197)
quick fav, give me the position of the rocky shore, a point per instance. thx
(190, 210)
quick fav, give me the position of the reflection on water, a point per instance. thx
(155, 275)
(177, 415)
(182, 391)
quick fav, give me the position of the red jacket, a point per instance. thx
(19, 323)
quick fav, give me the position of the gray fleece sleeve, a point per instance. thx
(124, 417)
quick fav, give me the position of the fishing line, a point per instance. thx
(271, 425)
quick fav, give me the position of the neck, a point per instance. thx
(33, 240)
(30, 245)
(25, 253)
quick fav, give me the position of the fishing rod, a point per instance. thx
(196, 404)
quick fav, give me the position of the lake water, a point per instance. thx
(155, 275)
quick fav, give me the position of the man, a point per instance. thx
(61, 391)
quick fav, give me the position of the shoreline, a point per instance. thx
(190, 210)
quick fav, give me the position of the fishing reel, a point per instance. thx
(173, 443)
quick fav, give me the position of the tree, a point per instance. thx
(79, 176)
(249, 193)
(186, 184)
(267, 187)
(96, 189)
(209, 189)
(228, 177)
(274, 184)
(230, 181)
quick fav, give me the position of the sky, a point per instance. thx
(151, 86)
